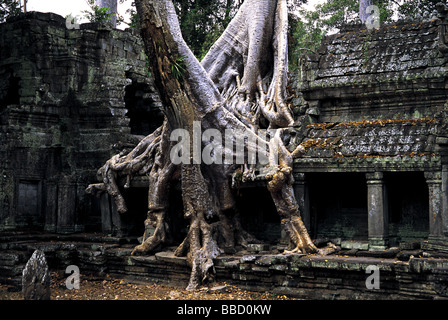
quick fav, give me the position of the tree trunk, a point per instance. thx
(113, 6)
(240, 86)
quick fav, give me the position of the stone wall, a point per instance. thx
(66, 98)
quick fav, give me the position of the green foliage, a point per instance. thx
(178, 67)
(336, 13)
(9, 8)
(329, 16)
(306, 35)
(203, 21)
(97, 14)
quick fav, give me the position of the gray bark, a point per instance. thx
(112, 5)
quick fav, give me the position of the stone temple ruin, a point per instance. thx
(377, 138)
(69, 100)
(370, 109)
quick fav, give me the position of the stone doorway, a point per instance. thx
(408, 206)
(29, 204)
(338, 206)
(258, 214)
(143, 108)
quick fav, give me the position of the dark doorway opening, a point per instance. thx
(338, 205)
(177, 222)
(258, 214)
(29, 204)
(12, 94)
(137, 203)
(408, 198)
(143, 110)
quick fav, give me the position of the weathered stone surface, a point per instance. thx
(36, 278)
(357, 245)
(405, 255)
(248, 258)
(269, 259)
(365, 70)
(257, 247)
(168, 256)
(304, 276)
(441, 281)
(362, 139)
(69, 100)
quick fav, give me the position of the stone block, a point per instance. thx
(351, 244)
(269, 260)
(36, 278)
(260, 269)
(257, 247)
(169, 257)
(279, 267)
(248, 258)
(409, 245)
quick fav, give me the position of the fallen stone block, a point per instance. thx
(36, 278)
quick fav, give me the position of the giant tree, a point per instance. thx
(237, 89)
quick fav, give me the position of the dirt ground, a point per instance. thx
(117, 289)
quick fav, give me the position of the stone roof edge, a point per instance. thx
(58, 20)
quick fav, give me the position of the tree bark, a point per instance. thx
(113, 6)
(239, 87)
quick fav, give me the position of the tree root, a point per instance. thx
(150, 243)
(202, 249)
(280, 187)
(138, 161)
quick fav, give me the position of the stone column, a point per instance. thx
(377, 211)
(110, 218)
(51, 212)
(66, 219)
(444, 213)
(302, 197)
(119, 228)
(106, 216)
(435, 187)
